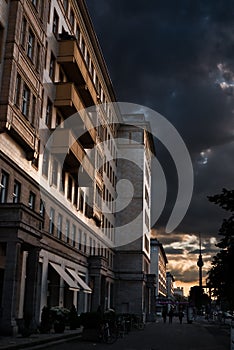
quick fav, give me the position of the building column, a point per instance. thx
(22, 285)
(30, 305)
(75, 299)
(11, 284)
(96, 296)
(44, 283)
(108, 294)
(61, 291)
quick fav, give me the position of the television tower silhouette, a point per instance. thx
(200, 264)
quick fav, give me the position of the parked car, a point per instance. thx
(228, 315)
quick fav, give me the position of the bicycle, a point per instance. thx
(107, 334)
(137, 323)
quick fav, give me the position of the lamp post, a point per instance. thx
(200, 264)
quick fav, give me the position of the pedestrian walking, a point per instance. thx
(181, 315)
(170, 314)
(164, 315)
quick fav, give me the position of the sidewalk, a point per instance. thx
(37, 341)
(224, 323)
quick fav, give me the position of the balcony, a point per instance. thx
(97, 215)
(99, 179)
(68, 101)
(71, 59)
(18, 218)
(24, 133)
(65, 145)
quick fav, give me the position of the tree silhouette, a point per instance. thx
(220, 276)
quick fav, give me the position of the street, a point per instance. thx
(160, 336)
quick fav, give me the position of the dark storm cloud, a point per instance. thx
(189, 275)
(173, 251)
(174, 56)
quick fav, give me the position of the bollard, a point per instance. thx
(232, 334)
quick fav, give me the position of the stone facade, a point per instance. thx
(57, 243)
(158, 266)
(132, 260)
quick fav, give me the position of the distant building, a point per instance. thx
(179, 291)
(170, 286)
(158, 266)
(134, 285)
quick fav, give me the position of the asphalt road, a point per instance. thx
(159, 336)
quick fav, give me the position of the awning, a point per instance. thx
(82, 284)
(65, 276)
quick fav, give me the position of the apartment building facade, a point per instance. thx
(170, 286)
(132, 260)
(58, 168)
(158, 266)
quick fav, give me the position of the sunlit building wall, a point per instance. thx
(158, 263)
(56, 240)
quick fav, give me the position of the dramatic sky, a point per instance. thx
(177, 58)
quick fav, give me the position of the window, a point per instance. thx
(75, 202)
(91, 69)
(38, 58)
(16, 193)
(51, 221)
(78, 33)
(87, 59)
(33, 112)
(69, 190)
(1, 40)
(23, 32)
(72, 18)
(25, 100)
(45, 164)
(147, 196)
(30, 44)
(4, 187)
(81, 201)
(90, 246)
(55, 23)
(146, 220)
(67, 231)
(65, 5)
(62, 181)
(48, 117)
(42, 213)
(146, 244)
(49, 8)
(73, 235)
(42, 9)
(46, 51)
(17, 90)
(52, 66)
(59, 226)
(31, 200)
(61, 75)
(82, 46)
(85, 242)
(35, 3)
(55, 172)
(98, 197)
(80, 240)
(58, 120)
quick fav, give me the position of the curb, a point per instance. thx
(41, 343)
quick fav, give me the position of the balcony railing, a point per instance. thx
(71, 59)
(13, 216)
(69, 102)
(24, 133)
(64, 143)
